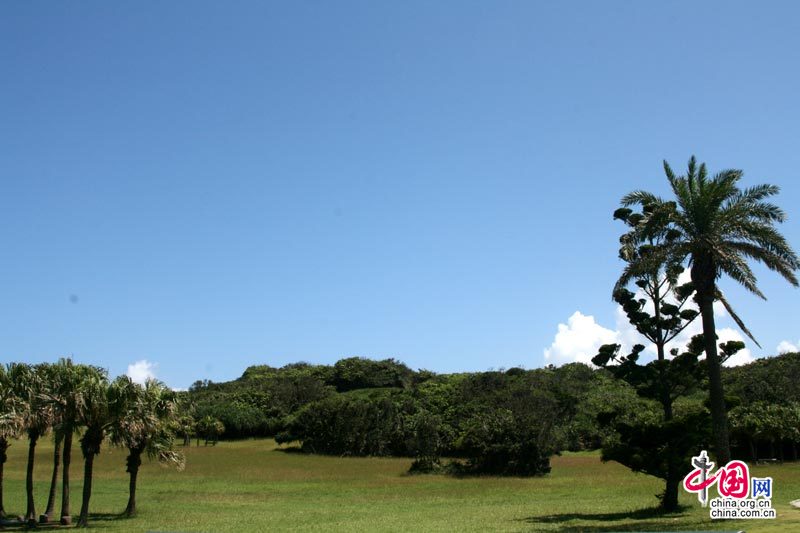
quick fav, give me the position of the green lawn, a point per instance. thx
(252, 486)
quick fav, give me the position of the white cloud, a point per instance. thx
(141, 371)
(578, 340)
(787, 347)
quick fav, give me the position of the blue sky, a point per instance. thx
(210, 185)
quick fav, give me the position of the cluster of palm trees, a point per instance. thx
(75, 400)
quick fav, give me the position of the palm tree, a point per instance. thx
(67, 397)
(11, 422)
(184, 426)
(716, 227)
(94, 415)
(51, 378)
(143, 420)
(210, 429)
(30, 384)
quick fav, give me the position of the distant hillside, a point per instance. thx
(367, 407)
(771, 380)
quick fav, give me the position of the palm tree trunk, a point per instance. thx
(719, 414)
(3, 457)
(134, 461)
(88, 463)
(30, 512)
(66, 519)
(51, 498)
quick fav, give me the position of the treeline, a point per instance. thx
(501, 422)
(74, 401)
(765, 407)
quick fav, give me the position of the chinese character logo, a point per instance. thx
(732, 480)
(761, 487)
(734, 484)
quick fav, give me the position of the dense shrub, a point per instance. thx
(498, 442)
(354, 424)
(425, 440)
(361, 373)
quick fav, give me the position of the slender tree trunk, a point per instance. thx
(134, 461)
(66, 518)
(719, 414)
(669, 501)
(666, 399)
(3, 457)
(51, 498)
(753, 453)
(88, 463)
(664, 389)
(30, 512)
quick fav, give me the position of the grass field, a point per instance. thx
(254, 486)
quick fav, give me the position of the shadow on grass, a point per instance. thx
(20, 525)
(107, 517)
(290, 449)
(652, 518)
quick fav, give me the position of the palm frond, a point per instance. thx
(764, 255)
(735, 317)
(640, 197)
(738, 270)
(757, 193)
(767, 237)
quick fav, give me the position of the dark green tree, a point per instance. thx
(425, 441)
(660, 312)
(656, 445)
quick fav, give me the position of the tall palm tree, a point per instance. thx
(143, 420)
(94, 415)
(30, 385)
(11, 422)
(716, 227)
(51, 377)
